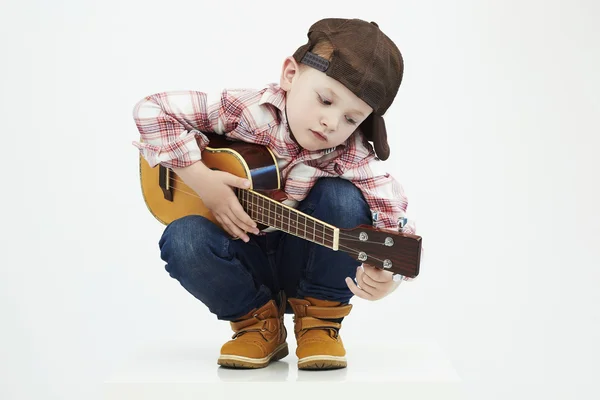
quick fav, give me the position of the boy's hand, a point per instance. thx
(373, 283)
(218, 196)
(214, 188)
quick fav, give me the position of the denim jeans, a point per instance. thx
(232, 277)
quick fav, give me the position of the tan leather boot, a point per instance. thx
(319, 343)
(259, 338)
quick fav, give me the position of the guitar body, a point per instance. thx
(168, 198)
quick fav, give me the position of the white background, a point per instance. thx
(494, 135)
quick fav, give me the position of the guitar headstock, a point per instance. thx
(389, 250)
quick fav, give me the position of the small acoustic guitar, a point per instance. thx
(168, 199)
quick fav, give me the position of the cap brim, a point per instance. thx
(374, 130)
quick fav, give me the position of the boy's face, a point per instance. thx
(321, 112)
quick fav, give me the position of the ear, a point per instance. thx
(289, 72)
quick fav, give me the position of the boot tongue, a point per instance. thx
(322, 303)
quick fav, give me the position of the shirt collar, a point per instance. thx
(275, 96)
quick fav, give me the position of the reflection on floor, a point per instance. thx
(417, 369)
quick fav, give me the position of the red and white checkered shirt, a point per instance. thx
(169, 123)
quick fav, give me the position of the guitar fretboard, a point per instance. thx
(269, 212)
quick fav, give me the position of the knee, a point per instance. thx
(185, 243)
(338, 202)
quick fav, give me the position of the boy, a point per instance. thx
(318, 122)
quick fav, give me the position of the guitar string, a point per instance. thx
(303, 225)
(341, 246)
(349, 249)
(343, 235)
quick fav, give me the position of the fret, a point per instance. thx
(248, 209)
(262, 210)
(252, 201)
(257, 206)
(304, 233)
(245, 203)
(249, 205)
(266, 204)
(273, 222)
(279, 216)
(256, 200)
(252, 205)
(240, 195)
(253, 208)
(309, 228)
(292, 223)
(265, 211)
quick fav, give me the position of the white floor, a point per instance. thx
(417, 369)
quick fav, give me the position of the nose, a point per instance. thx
(329, 121)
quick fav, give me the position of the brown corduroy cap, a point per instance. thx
(364, 60)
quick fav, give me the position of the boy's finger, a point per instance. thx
(357, 291)
(245, 222)
(362, 280)
(236, 181)
(240, 224)
(372, 284)
(233, 230)
(377, 274)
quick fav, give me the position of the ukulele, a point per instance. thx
(168, 198)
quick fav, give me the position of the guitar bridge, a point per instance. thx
(164, 181)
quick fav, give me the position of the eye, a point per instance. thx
(351, 121)
(324, 101)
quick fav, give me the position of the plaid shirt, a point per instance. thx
(169, 123)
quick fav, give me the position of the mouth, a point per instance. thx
(319, 135)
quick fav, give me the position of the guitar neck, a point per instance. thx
(267, 211)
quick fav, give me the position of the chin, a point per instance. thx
(312, 146)
(307, 143)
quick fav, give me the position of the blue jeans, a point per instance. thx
(232, 277)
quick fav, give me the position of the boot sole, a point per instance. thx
(240, 362)
(322, 362)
